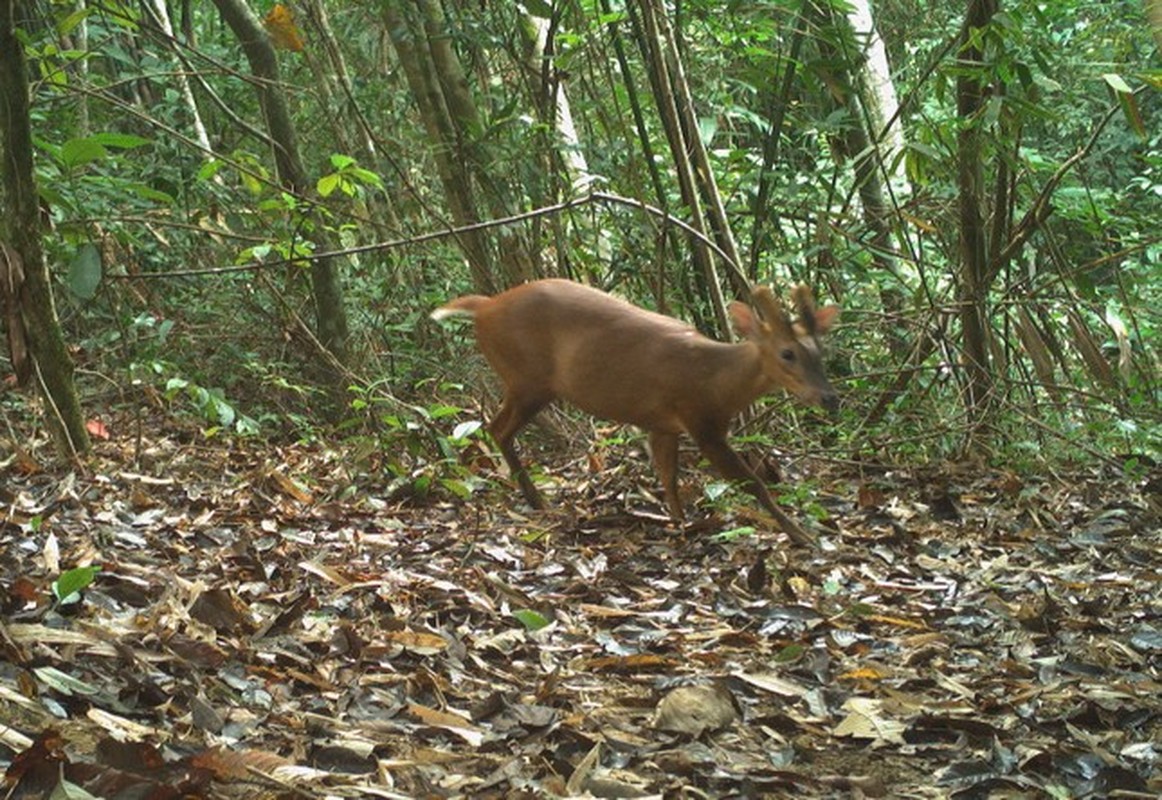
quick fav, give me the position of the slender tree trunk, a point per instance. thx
(667, 240)
(160, 12)
(555, 105)
(516, 262)
(776, 104)
(974, 267)
(862, 86)
(27, 287)
(639, 120)
(655, 51)
(703, 169)
(410, 40)
(330, 314)
(82, 34)
(878, 93)
(1154, 20)
(334, 81)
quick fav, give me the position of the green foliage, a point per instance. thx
(131, 195)
(211, 404)
(734, 534)
(420, 454)
(532, 620)
(348, 177)
(68, 587)
(85, 272)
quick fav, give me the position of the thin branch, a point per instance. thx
(556, 208)
(1041, 208)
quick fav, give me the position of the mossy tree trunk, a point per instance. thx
(974, 277)
(440, 91)
(28, 291)
(326, 287)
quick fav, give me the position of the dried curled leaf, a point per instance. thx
(280, 24)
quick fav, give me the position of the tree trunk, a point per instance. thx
(655, 52)
(27, 287)
(863, 88)
(516, 262)
(1154, 20)
(974, 280)
(161, 18)
(667, 236)
(776, 103)
(877, 92)
(330, 314)
(703, 169)
(409, 37)
(555, 104)
(566, 153)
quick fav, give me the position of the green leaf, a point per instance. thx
(71, 21)
(85, 272)
(367, 176)
(78, 152)
(149, 193)
(791, 652)
(443, 410)
(1117, 83)
(532, 620)
(66, 587)
(340, 161)
(210, 169)
(533, 535)
(715, 490)
(67, 790)
(328, 184)
(861, 610)
(735, 533)
(457, 487)
(1125, 97)
(124, 141)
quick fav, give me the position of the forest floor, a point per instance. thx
(258, 628)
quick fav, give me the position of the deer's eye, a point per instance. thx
(788, 355)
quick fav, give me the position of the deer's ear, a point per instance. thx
(825, 317)
(744, 319)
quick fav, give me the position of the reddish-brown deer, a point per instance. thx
(556, 339)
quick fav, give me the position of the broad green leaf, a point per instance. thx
(367, 176)
(457, 487)
(532, 620)
(735, 533)
(71, 21)
(443, 410)
(149, 193)
(1126, 100)
(73, 581)
(78, 152)
(328, 184)
(210, 169)
(85, 272)
(791, 652)
(124, 141)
